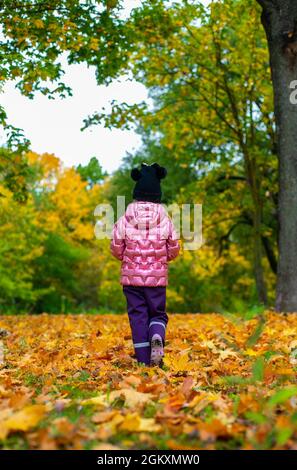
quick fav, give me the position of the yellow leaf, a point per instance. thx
(28, 87)
(39, 23)
(97, 401)
(131, 396)
(134, 423)
(149, 425)
(131, 423)
(106, 446)
(180, 364)
(23, 420)
(227, 353)
(251, 352)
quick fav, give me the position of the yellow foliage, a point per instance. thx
(22, 420)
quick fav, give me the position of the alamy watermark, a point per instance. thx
(293, 94)
(186, 218)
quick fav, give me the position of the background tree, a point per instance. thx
(212, 109)
(92, 172)
(38, 37)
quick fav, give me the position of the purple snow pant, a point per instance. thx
(147, 316)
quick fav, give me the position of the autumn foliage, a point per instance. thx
(209, 121)
(71, 382)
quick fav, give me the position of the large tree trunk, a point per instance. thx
(279, 18)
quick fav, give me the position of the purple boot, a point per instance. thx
(148, 320)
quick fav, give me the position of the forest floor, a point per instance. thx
(71, 382)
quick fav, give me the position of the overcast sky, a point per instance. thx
(53, 126)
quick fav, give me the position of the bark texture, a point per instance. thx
(279, 18)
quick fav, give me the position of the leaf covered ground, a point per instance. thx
(71, 382)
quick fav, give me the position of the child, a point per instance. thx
(144, 240)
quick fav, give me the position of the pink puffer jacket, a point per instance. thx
(144, 239)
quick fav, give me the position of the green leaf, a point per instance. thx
(281, 396)
(258, 370)
(235, 380)
(257, 418)
(283, 435)
(256, 333)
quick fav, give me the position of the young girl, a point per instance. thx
(144, 240)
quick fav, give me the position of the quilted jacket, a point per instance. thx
(144, 239)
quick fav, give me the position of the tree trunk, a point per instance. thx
(279, 18)
(253, 180)
(258, 254)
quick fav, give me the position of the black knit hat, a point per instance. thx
(148, 186)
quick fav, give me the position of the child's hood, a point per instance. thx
(142, 213)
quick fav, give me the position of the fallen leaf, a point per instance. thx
(22, 420)
(132, 397)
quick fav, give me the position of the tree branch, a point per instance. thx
(270, 254)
